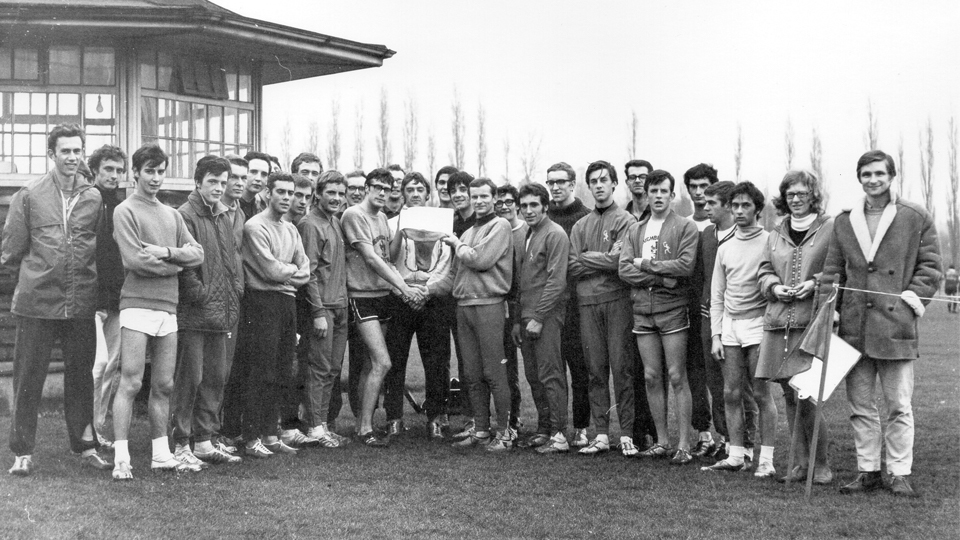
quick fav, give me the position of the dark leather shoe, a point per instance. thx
(865, 481)
(900, 486)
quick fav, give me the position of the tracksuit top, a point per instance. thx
(592, 265)
(543, 270)
(323, 246)
(484, 265)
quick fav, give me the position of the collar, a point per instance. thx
(484, 220)
(858, 222)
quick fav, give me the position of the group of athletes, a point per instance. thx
(243, 301)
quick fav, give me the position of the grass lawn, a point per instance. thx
(419, 489)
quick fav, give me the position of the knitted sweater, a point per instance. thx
(735, 286)
(483, 267)
(149, 282)
(273, 257)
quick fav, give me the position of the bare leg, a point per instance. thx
(675, 354)
(733, 370)
(761, 391)
(133, 350)
(163, 363)
(651, 353)
(374, 371)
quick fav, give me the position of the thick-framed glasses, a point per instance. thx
(509, 203)
(636, 177)
(551, 183)
(800, 195)
(354, 189)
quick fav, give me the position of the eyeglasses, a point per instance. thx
(635, 177)
(355, 189)
(505, 202)
(801, 195)
(551, 183)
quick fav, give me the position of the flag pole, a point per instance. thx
(823, 381)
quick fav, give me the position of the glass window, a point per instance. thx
(64, 65)
(245, 93)
(214, 122)
(165, 73)
(244, 125)
(230, 125)
(26, 64)
(198, 114)
(148, 69)
(99, 66)
(6, 65)
(231, 80)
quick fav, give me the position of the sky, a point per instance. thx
(571, 74)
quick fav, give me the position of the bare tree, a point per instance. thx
(410, 134)
(926, 168)
(530, 158)
(872, 135)
(481, 140)
(788, 144)
(458, 128)
(901, 185)
(506, 159)
(358, 136)
(384, 153)
(313, 137)
(431, 153)
(634, 129)
(816, 165)
(953, 206)
(333, 137)
(286, 142)
(738, 152)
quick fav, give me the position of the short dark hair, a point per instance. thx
(536, 190)
(395, 167)
(807, 178)
(252, 155)
(596, 166)
(106, 152)
(302, 182)
(446, 169)
(874, 156)
(459, 178)
(355, 174)
(379, 174)
(507, 189)
(237, 160)
(65, 130)
(702, 170)
(657, 176)
(750, 190)
(637, 163)
(210, 164)
(276, 161)
(329, 177)
(414, 176)
(563, 166)
(305, 157)
(720, 190)
(279, 176)
(482, 181)
(149, 155)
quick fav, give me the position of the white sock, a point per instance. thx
(736, 454)
(161, 449)
(121, 452)
(88, 452)
(270, 440)
(766, 454)
(560, 437)
(603, 438)
(203, 446)
(706, 436)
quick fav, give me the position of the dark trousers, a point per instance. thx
(432, 329)
(571, 350)
(356, 357)
(266, 352)
(231, 407)
(513, 371)
(607, 338)
(546, 373)
(697, 371)
(480, 329)
(319, 361)
(31, 360)
(198, 384)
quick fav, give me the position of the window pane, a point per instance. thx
(148, 117)
(38, 145)
(69, 104)
(64, 65)
(38, 104)
(148, 69)
(245, 93)
(230, 125)
(99, 66)
(21, 103)
(231, 82)
(165, 73)
(98, 106)
(199, 115)
(243, 133)
(25, 64)
(38, 165)
(6, 66)
(214, 123)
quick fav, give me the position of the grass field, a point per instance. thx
(418, 489)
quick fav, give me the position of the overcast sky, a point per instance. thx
(571, 73)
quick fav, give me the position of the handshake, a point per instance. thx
(415, 296)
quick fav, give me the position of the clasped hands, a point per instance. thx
(800, 292)
(415, 296)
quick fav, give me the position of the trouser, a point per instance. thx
(571, 350)
(432, 329)
(320, 361)
(714, 379)
(31, 360)
(480, 329)
(231, 406)
(266, 352)
(106, 366)
(697, 371)
(606, 332)
(542, 362)
(896, 384)
(513, 370)
(199, 379)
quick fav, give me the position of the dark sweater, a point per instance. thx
(109, 264)
(566, 216)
